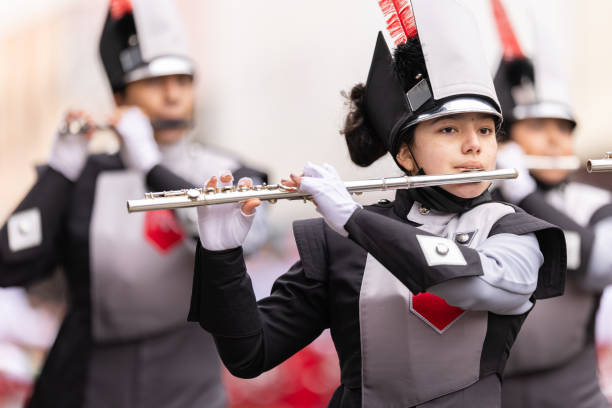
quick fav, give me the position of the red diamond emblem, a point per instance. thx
(434, 311)
(162, 230)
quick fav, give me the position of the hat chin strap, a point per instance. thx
(419, 169)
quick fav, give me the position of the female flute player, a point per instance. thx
(424, 295)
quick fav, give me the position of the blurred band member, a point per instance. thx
(125, 341)
(553, 362)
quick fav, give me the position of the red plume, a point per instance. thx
(400, 19)
(512, 48)
(119, 8)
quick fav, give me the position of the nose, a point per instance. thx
(554, 136)
(471, 142)
(171, 90)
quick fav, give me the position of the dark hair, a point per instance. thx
(364, 146)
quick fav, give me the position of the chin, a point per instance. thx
(168, 136)
(467, 190)
(550, 177)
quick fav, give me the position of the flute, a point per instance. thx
(193, 197)
(599, 165)
(80, 125)
(552, 162)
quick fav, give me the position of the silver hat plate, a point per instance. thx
(161, 66)
(464, 104)
(540, 110)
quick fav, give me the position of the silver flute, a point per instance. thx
(598, 165)
(80, 125)
(552, 162)
(167, 200)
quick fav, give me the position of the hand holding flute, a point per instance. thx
(69, 149)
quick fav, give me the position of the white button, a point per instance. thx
(442, 249)
(25, 227)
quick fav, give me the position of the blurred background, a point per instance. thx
(269, 82)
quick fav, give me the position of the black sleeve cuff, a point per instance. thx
(222, 298)
(395, 245)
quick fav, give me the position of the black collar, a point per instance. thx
(438, 199)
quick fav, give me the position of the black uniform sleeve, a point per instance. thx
(51, 196)
(251, 336)
(256, 175)
(536, 205)
(395, 245)
(160, 178)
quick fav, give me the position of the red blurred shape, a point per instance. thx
(162, 230)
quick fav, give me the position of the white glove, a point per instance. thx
(139, 151)
(69, 153)
(333, 199)
(224, 226)
(515, 190)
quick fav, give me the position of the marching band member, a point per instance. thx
(124, 341)
(424, 295)
(553, 362)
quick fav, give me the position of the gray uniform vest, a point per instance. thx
(416, 351)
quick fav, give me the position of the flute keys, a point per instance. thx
(193, 193)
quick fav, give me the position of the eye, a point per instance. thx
(448, 129)
(486, 131)
(155, 81)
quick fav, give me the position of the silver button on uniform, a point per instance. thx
(442, 249)
(24, 227)
(462, 238)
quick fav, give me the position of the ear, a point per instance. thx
(404, 158)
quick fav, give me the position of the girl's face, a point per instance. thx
(454, 144)
(545, 137)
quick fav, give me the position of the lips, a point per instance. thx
(469, 166)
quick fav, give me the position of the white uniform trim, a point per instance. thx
(24, 230)
(573, 244)
(440, 251)
(599, 274)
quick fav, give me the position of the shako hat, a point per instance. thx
(143, 39)
(529, 88)
(439, 69)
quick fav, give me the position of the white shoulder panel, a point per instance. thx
(24, 230)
